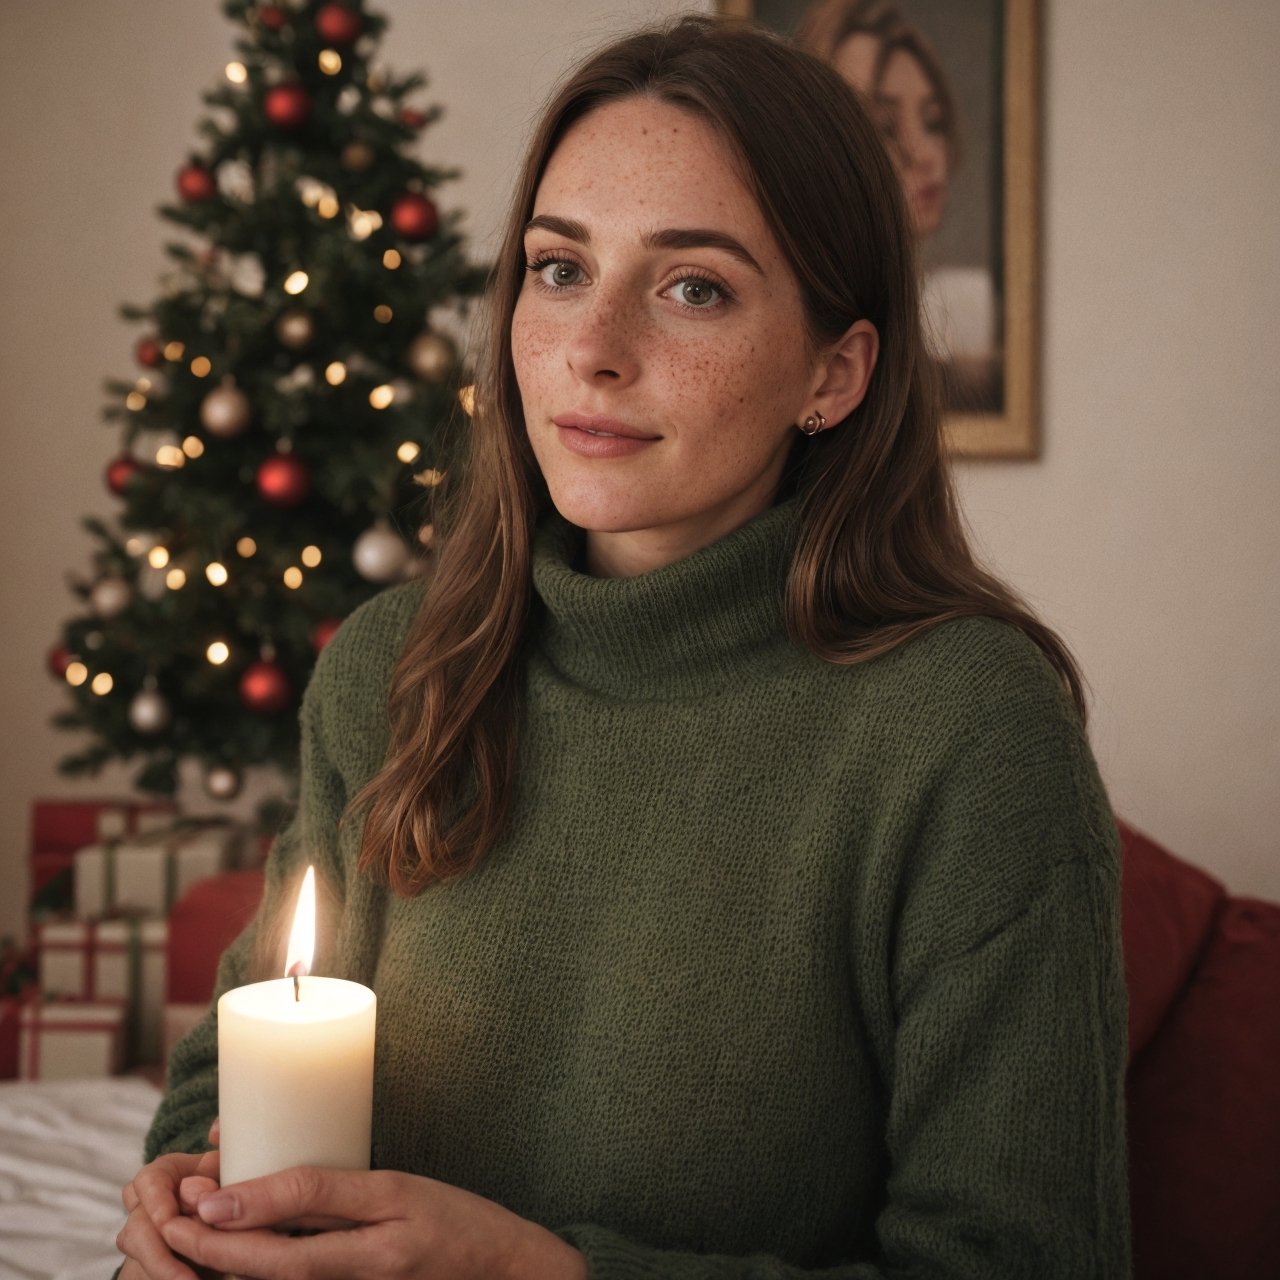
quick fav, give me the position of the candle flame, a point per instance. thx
(302, 938)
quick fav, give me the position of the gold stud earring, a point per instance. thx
(814, 423)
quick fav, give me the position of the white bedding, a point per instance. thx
(66, 1149)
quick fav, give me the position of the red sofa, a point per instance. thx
(1203, 972)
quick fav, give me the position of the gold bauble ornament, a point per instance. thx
(432, 356)
(357, 157)
(296, 329)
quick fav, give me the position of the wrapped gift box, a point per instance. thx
(63, 826)
(70, 1039)
(10, 1009)
(148, 874)
(111, 960)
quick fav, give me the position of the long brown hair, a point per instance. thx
(881, 553)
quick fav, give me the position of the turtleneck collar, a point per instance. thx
(680, 631)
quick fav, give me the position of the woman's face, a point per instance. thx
(912, 123)
(658, 339)
(855, 59)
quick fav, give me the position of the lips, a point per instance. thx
(600, 426)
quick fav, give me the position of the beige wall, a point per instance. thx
(1148, 532)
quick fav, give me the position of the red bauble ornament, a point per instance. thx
(272, 16)
(412, 118)
(287, 106)
(283, 480)
(148, 353)
(265, 689)
(121, 471)
(338, 24)
(324, 632)
(414, 217)
(196, 184)
(58, 659)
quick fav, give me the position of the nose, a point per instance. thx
(603, 344)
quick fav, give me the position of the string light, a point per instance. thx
(135, 400)
(135, 546)
(143, 385)
(297, 282)
(175, 579)
(77, 673)
(217, 574)
(381, 397)
(293, 577)
(391, 259)
(201, 366)
(363, 223)
(102, 684)
(158, 557)
(193, 446)
(408, 452)
(170, 457)
(311, 556)
(236, 72)
(174, 350)
(336, 374)
(330, 61)
(218, 652)
(467, 399)
(247, 547)
(429, 478)
(328, 207)
(382, 314)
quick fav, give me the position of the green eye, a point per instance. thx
(564, 273)
(697, 293)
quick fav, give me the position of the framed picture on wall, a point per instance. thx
(954, 86)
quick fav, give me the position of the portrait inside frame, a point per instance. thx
(954, 86)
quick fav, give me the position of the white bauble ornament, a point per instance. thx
(432, 356)
(226, 411)
(380, 555)
(150, 712)
(235, 180)
(110, 596)
(295, 329)
(223, 782)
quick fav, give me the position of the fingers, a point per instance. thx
(140, 1241)
(305, 1194)
(264, 1253)
(215, 1132)
(156, 1185)
(129, 1197)
(191, 1189)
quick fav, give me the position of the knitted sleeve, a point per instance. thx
(190, 1102)
(1005, 1134)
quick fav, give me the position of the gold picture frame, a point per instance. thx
(1008, 426)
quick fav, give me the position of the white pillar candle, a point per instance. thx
(295, 1068)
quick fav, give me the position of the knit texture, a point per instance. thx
(781, 966)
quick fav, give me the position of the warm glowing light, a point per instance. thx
(170, 457)
(158, 557)
(382, 314)
(391, 259)
(363, 223)
(311, 191)
(381, 397)
(297, 282)
(77, 673)
(427, 536)
(143, 385)
(247, 547)
(175, 579)
(217, 653)
(135, 400)
(328, 207)
(429, 478)
(236, 72)
(293, 577)
(467, 399)
(302, 937)
(311, 556)
(336, 374)
(200, 366)
(408, 452)
(330, 61)
(193, 446)
(135, 546)
(174, 350)
(217, 574)
(102, 684)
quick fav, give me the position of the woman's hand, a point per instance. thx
(404, 1226)
(166, 1188)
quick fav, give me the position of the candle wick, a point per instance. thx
(297, 993)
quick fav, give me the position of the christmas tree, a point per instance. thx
(297, 370)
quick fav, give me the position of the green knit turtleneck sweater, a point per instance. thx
(781, 966)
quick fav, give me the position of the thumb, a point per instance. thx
(305, 1194)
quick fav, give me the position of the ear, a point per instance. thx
(845, 372)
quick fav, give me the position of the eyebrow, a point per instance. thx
(670, 238)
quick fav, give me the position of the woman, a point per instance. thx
(728, 859)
